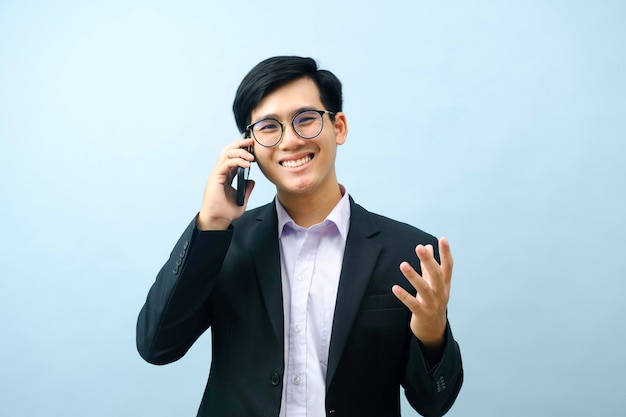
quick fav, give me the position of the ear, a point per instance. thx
(341, 128)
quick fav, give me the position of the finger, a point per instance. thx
(227, 169)
(430, 266)
(249, 187)
(420, 285)
(446, 259)
(238, 148)
(247, 145)
(238, 153)
(243, 143)
(407, 299)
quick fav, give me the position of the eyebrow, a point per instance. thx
(277, 117)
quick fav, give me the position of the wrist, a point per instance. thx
(433, 337)
(205, 223)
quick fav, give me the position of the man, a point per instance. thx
(314, 305)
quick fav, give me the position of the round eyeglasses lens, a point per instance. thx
(308, 124)
(267, 132)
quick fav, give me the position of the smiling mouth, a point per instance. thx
(295, 163)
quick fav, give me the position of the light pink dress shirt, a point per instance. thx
(310, 261)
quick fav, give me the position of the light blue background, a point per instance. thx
(500, 125)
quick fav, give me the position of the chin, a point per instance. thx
(297, 188)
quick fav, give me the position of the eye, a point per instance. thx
(306, 118)
(266, 126)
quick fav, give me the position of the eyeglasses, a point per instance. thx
(307, 124)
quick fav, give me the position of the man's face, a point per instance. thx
(299, 166)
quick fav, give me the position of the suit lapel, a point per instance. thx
(264, 247)
(360, 258)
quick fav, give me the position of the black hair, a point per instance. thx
(273, 73)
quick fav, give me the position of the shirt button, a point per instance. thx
(301, 277)
(298, 328)
(297, 380)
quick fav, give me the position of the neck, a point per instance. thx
(308, 210)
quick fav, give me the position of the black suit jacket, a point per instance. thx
(230, 281)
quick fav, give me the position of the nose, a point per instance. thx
(290, 140)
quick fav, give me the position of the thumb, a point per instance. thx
(249, 187)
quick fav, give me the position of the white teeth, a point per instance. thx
(296, 163)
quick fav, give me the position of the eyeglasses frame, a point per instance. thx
(282, 126)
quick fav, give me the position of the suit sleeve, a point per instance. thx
(433, 391)
(174, 314)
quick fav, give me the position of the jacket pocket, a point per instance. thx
(380, 302)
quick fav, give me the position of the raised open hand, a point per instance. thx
(428, 321)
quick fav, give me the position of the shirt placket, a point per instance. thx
(300, 286)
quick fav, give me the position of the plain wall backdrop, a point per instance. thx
(500, 125)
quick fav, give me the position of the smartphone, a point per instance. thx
(242, 177)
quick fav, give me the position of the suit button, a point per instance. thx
(441, 384)
(275, 379)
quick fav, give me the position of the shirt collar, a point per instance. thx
(340, 215)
